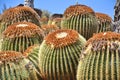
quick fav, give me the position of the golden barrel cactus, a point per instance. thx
(13, 66)
(104, 21)
(59, 54)
(100, 58)
(80, 18)
(21, 35)
(18, 14)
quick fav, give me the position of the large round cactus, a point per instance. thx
(80, 18)
(100, 59)
(21, 35)
(59, 55)
(13, 66)
(18, 14)
(104, 22)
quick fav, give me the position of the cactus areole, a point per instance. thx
(61, 38)
(78, 9)
(25, 29)
(100, 58)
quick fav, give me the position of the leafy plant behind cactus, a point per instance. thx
(59, 55)
(100, 58)
(19, 36)
(104, 22)
(13, 66)
(18, 14)
(80, 18)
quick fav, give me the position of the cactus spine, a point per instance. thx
(80, 18)
(19, 36)
(18, 14)
(100, 58)
(13, 66)
(59, 55)
(104, 22)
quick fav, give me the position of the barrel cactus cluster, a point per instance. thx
(76, 45)
(100, 58)
(18, 14)
(59, 54)
(19, 36)
(80, 18)
(104, 21)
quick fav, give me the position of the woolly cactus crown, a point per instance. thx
(16, 13)
(77, 10)
(103, 17)
(100, 40)
(7, 56)
(61, 38)
(25, 29)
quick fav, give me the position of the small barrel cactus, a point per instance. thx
(19, 36)
(59, 54)
(32, 53)
(100, 59)
(18, 14)
(80, 18)
(13, 66)
(55, 19)
(104, 22)
(48, 28)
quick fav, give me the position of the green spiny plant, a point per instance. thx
(100, 59)
(32, 53)
(13, 66)
(18, 14)
(19, 36)
(59, 54)
(104, 22)
(80, 18)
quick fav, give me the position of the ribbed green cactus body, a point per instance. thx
(18, 14)
(17, 71)
(60, 63)
(16, 68)
(104, 22)
(85, 24)
(32, 53)
(19, 44)
(104, 26)
(100, 61)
